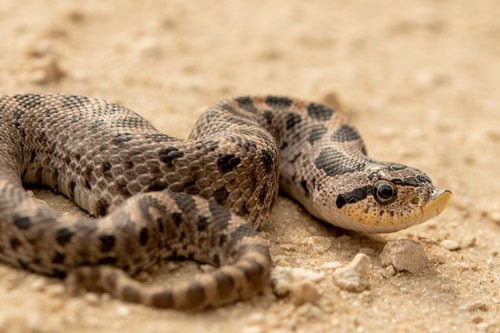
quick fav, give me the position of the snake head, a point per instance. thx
(392, 197)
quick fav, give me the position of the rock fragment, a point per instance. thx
(404, 255)
(450, 244)
(353, 277)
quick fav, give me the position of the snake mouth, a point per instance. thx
(436, 203)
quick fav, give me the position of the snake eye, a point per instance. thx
(385, 192)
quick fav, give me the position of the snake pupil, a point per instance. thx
(385, 192)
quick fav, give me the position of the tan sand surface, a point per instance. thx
(420, 80)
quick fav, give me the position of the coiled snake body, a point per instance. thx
(197, 198)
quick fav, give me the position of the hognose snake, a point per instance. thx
(107, 159)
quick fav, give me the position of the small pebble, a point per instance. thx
(256, 317)
(122, 310)
(404, 255)
(495, 217)
(450, 244)
(483, 327)
(38, 284)
(353, 277)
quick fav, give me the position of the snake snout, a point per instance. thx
(437, 202)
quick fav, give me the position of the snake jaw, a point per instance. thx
(437, 202)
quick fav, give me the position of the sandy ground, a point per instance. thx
(419, 79)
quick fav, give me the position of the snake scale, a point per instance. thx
(153, 196)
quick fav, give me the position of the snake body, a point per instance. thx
(154, 196)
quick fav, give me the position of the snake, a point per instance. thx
(150, 197)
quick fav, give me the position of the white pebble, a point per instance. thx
(38, 284)
(495, 217)
(122, 310)
(353, 277)
(483, 327)
(450, 244)
(404, 255)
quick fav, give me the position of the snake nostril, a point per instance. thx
(415, 200)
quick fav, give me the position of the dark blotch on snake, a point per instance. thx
(220, 214)
(63, 236)
(29, 101)
(101, 207)
(202, 223)
(225, 284)
(316, 133)
(268, 116)
(278, 102)
(303, 183)
(107, 261)
(246, 103)
(107, 242)
(184, 201)
(163, 299)
(22, 222)
(121, 138)
(14, 243)
(143, 236)
(58, 258)
(74, 101)
(345, 133)
(216, 260)
(222, 240)
(221, 195)
(267, 160)
(353, 196)
(227, 162)
(334, 163)
(106, 166)
(241, 231)
(195, 294)
(292, 119)
(169, 154)
(319, 111)
(253, 273)
(177, 219)
(161, 225)
(131, 294)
